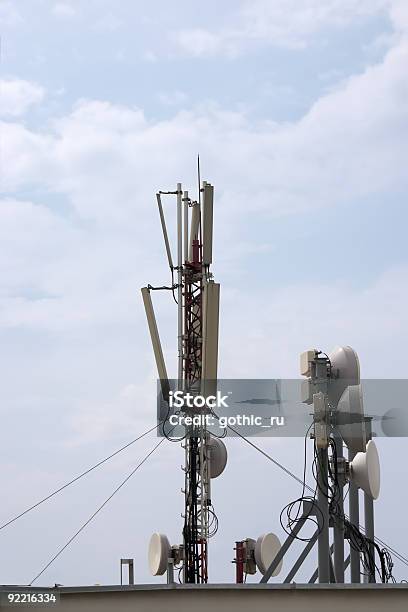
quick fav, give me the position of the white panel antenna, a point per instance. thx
(155, 338)
(211, 305)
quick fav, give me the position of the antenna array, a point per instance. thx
(332, 387)
(198, 315)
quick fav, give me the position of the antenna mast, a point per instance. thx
(199, 302)
(197, 322)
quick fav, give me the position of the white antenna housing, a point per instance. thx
(261, 553)
(345, 371)
(365, 471)
(306, 360)
(155, 338)
(218, 456)
(211, 306)
(266, 548)
(159, 553)
(350, 418)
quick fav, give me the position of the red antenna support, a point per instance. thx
(239, 562)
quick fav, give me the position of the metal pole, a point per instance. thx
(338, 522)
(185, 234)
(180, 383)
(369, 531)
(369, 512)
(170, 571)
(179, 282)
(331, 570)
(354, 512)
(131, 573)
(323, 502)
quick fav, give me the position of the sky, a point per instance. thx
(299, 111)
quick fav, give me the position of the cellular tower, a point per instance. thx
(197, 297)
(331, 387)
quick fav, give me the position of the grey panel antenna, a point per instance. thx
(164, 229)
(194, 228)
(208, 200)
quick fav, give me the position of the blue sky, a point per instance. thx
(299, 112)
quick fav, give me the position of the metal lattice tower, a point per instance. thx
(195, 531)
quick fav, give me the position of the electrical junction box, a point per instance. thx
(306, 359)
(306, 392)
(320, 420)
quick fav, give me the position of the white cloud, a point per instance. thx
(82, 271)
(150, 56)
(372, 319)
(399, 15)
(108, 23)
(17, 95)
(29, 233)
(78, 273)
(351, 143)
(282, 23)
(77, 366)
(64, 10)
(9, 15)
(199, 42)
(173, 98)
(30, 153)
